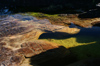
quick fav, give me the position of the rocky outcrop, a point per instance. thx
(18, 39)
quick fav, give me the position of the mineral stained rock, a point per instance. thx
(18, 39)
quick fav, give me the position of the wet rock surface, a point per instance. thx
(18, 40)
